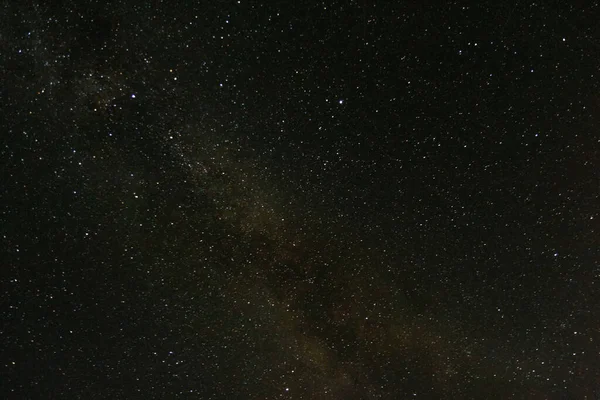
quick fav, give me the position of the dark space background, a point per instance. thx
(299, 200)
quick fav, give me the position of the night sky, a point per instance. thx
(299, 200)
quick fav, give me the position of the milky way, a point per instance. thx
(299, 201)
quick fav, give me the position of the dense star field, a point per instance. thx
(299, 200)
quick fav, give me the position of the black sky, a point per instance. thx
(299, 200)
